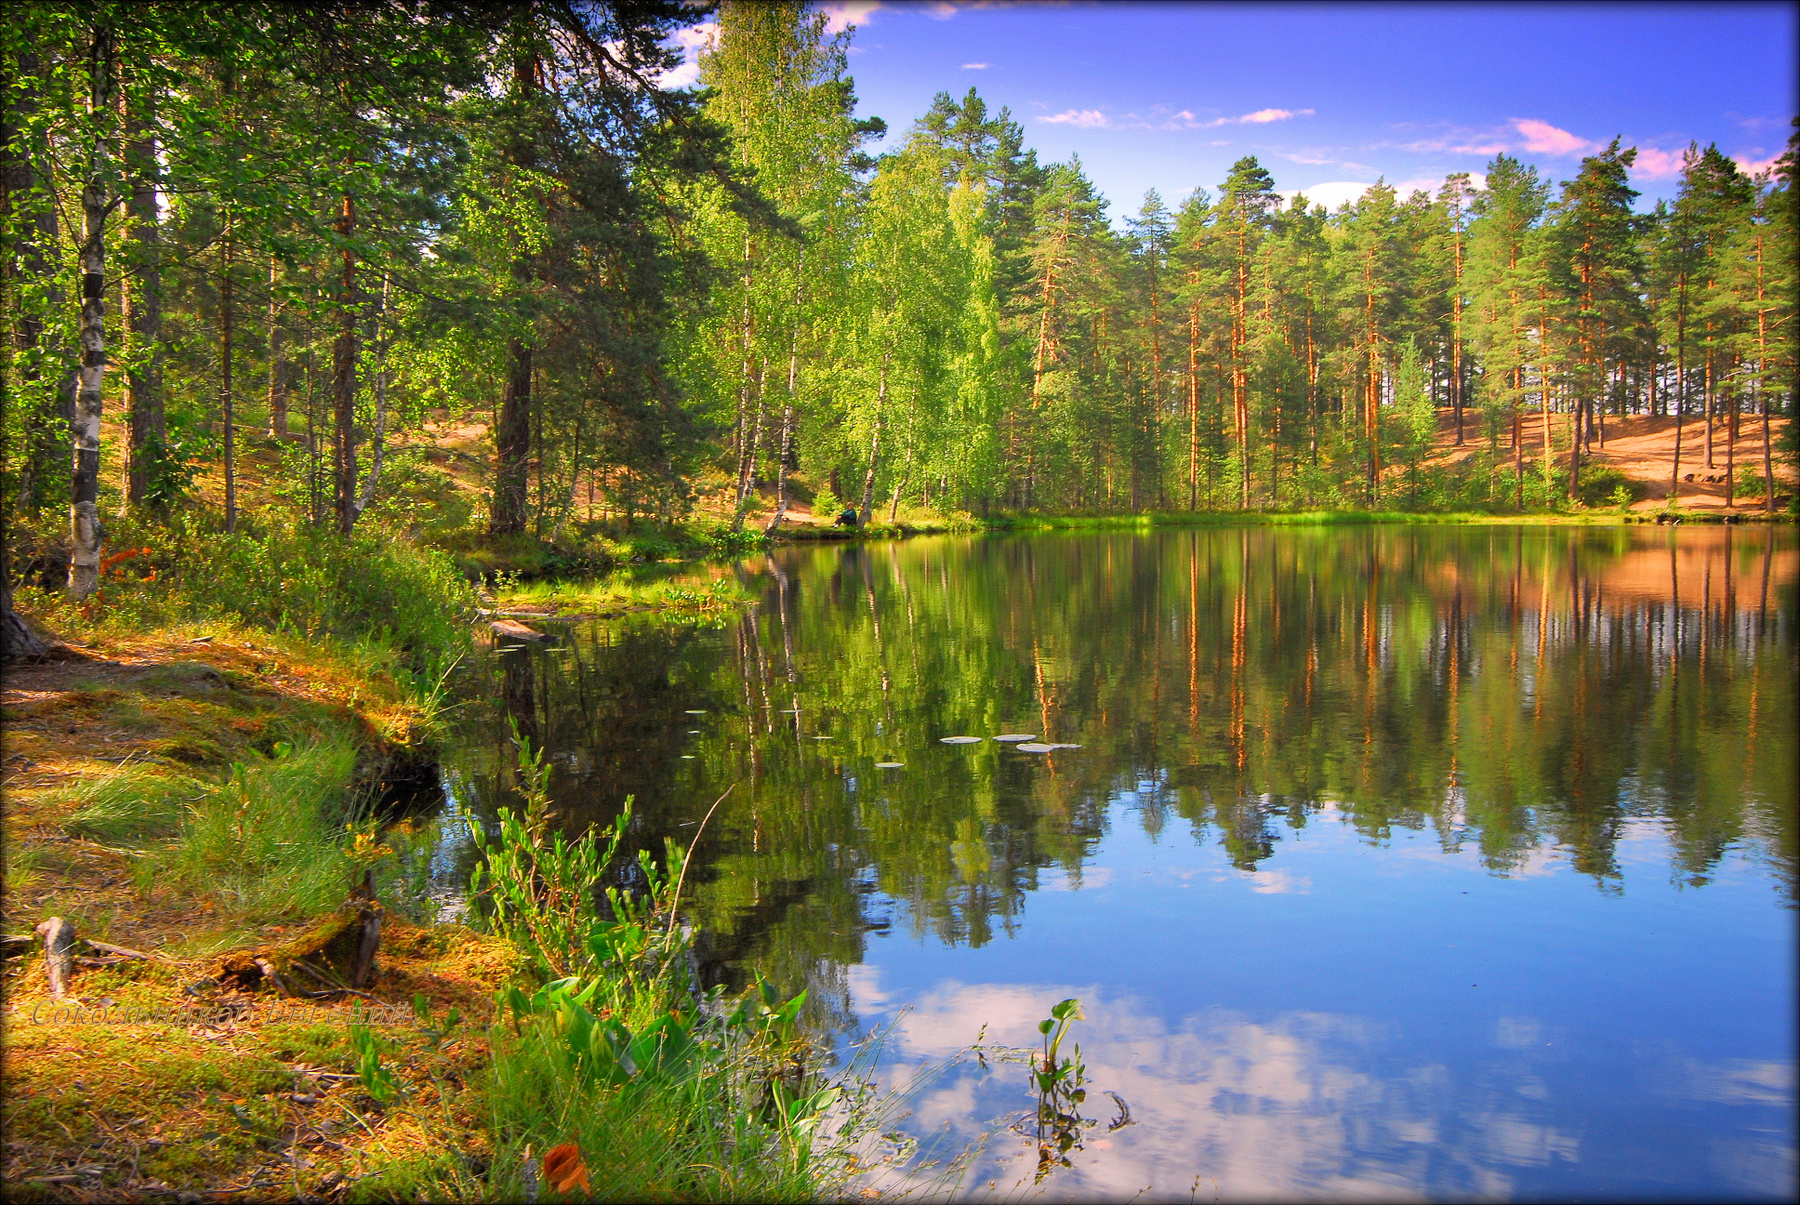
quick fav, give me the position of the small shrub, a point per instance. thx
(1603, 485)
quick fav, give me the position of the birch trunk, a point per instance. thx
(866, 510)
(86, 533)
(787, 436)
(747, 470)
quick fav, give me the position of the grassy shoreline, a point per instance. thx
(199, 775)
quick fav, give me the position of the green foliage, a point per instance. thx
(1604, 485)
(380, 1082)
(609, 1051)
(1060, 1091)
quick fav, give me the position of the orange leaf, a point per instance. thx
(565, 1170)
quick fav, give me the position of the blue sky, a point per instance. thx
(1329, 97)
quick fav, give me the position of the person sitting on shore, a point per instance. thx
(847, 519)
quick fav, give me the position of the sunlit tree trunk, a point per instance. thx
(866, 510)
(1193, 406)
(86, 534)
(786, 453)
(278, 379)
(225, 399)
(378, 444)
(1762, 387)
(343, 376)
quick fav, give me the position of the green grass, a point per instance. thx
(277, 838)
(133, 804)
(620, 594)
(1316, 518)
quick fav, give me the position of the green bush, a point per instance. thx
(1601, 485)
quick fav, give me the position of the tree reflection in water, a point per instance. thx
(1513, 690)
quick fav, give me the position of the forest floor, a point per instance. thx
(1643, 448)
(162, 1077)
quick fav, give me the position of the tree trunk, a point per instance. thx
(868, 489)
(1706, 395)
(747, 470)
(143, 316)
(225, 317)
(1680, 391)
(86, 533)
(1762, 388)
(1518, 439)
(343, 378)
(512, 444)
(787, 433)
(278, 378)
(381, 384)
(1193, 407)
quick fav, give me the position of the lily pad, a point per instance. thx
(959, 740)
(1034, 747)
(1017, 736)
(889, 765)
(821, 738)
(695, 711)
(1065, 746)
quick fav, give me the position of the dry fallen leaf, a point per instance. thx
(565, 1170)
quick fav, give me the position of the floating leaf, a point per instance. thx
(960, 740)
(1034, 747)
(889, 765)
(694, 711)
(1017, 736)
(1065, 746)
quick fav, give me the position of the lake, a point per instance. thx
(1386, 861)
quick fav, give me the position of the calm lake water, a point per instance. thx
(1389, 862)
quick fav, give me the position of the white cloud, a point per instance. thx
(1654, 164)
(940, 10)
(841, 14)
(1334, 193)
(1330, 194)
(1087, 119)
(1279, 882)
(1545, 139)
(1162, 118)
(1749, 163)
(974, 66)
(1264, 116)
(692, 42)
(1280, 1107)
(1258, 118)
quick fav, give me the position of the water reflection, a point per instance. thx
(1610, 708)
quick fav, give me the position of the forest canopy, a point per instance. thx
(281, 247)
